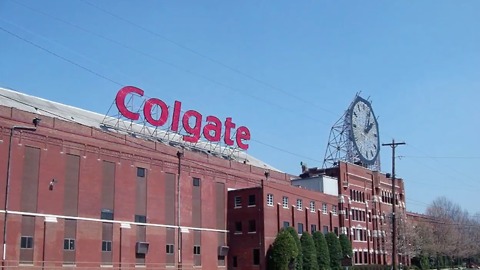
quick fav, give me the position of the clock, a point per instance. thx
(364, 131)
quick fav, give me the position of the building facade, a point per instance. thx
(75, 193)
(79, 196)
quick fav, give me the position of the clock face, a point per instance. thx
(364, 131)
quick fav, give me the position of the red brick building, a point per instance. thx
(80, 195)
(360, 205)
(75, 193)
(257, 214)
(365, 203)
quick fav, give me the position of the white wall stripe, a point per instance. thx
(111, 221)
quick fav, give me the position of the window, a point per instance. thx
(312, 206)
(238, 201)
(252, 226)
(196, 250)
(347, 213)
(299, 204)
(334, 209)
(169, 249)
(238, 227)
(106, 214)
(286, 224)
(140, 219)
(256, 256)
(324, 208)
(270, 199)
(325, 229)
(313, 228)
(335, 230)
(68, 244)
(235, 262)
(26, 242)
(300, 228)
(285, 201)
(196, 182)
(106, 245)
(251, 200)
(140, 172)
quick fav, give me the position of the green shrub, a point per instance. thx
(335, 251)
(323, 256)
(299, 259)
(309, 252)
(284, 251)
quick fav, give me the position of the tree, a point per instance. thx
(309, 252)
(284, 251)
(323, 256)
(335, 251)
(346, 246)
(299, 258)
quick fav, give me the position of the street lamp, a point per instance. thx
(36, 121)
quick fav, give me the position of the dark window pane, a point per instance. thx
(238, 226)
(300, 228)
(256, 256)
(106, 246)
(286, 224)
(140, 219)
(23, 242)
(196, 182)
(235, 263)
(251, 199)
(66, 244)
(140, 172)
(106, 214)
(252, 226)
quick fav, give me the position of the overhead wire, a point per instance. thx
(212, 168)
(173, 65)
(152, 57)
(209, 58)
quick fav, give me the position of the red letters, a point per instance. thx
(191, 120)
(120, 101)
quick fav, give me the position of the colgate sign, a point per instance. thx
(212, 131)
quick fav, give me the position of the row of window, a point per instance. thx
(252, 226)
(108, 215)
(358, 215)
(26, 242)
(251, 201)
(313, 228)
(387, 197)
(300, 204)
(357, 196)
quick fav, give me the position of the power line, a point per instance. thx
(151, 57)
(60, 57)
(173, 65)
(204, 56)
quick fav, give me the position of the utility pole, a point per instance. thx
(394, 144)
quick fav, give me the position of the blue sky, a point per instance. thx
(286, 69)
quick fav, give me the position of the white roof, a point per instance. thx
(40, 106)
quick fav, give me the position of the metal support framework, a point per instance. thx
(114, 121)
(340, 146)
